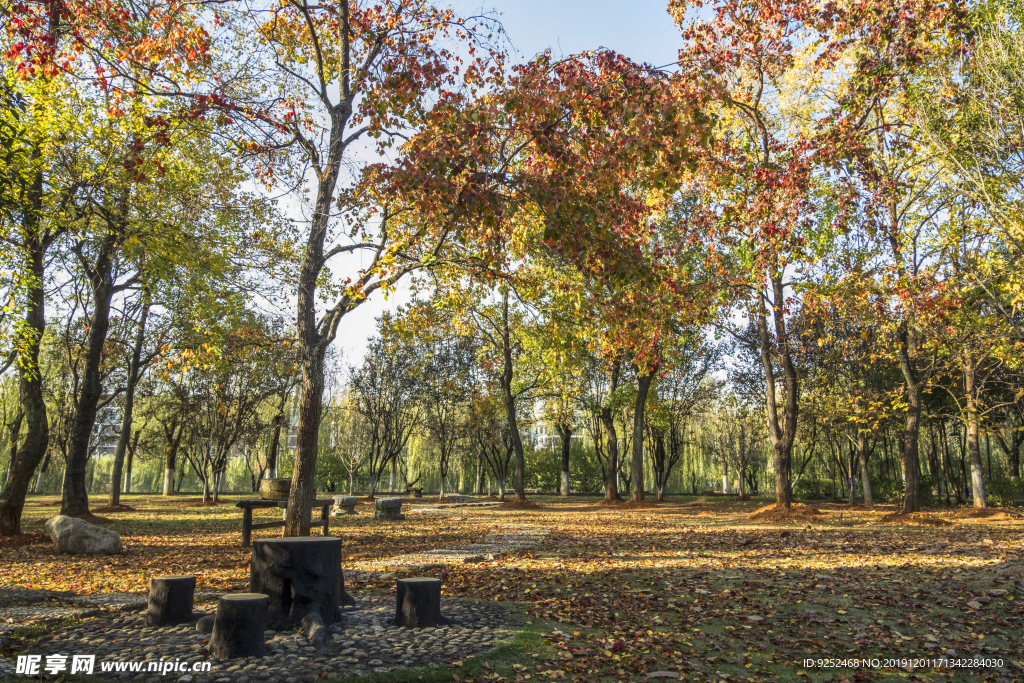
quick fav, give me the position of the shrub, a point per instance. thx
(813, 489)
(1003, 493)
(892, 490)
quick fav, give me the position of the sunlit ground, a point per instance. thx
(696, 591)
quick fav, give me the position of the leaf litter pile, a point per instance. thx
(686, 591)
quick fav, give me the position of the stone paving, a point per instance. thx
(363, 642)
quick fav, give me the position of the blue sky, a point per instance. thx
(643, 31)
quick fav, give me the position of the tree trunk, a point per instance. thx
(303, 489)
(501, 489)
(42, 470)
(643, 386)
(973, 447)
(725, 476)
(131, 459)
(510, 401)
(865, 480)
(782, 434)
(171, 455)
(743, 491)
(275, 439)
(478, 487)
(611, 474)
(565, 434)
(129, 407)
(30, 382)
(911, 433)
(75, 496)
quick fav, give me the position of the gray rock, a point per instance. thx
(78, 537)
(205, 625)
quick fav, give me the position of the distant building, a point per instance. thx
(106, 431)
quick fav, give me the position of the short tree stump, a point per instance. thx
(300, 575)
(388, 509)
(170, 600)
(418, 603)
(239, 626)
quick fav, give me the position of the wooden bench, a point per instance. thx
(248, 525)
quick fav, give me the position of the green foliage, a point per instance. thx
(892, 490)
(812, 489)
(1004, 493)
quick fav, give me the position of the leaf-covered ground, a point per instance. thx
(696, 592)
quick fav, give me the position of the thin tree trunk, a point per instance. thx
(129, 407)
(643, 386)
(42, 470)
(131, 458)
(274, 447)
(911, 433)
(510, 402)
(478, 487)
(865, 478)
(565, 434)
(171, 455)
(611, 475)
(973, 447)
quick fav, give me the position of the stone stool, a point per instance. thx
(388, 509)
(345, 505)
(170, 600)
(239, 626)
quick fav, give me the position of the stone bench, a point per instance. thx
(388, 509)
(345, 505)
(416, 491)
(248, 525)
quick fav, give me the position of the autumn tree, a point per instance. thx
(385, 388)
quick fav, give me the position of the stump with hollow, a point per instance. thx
(239, 625)
(418, 603)
(170, 600)
(300, 575)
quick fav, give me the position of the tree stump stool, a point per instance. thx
(418, 603)
(345, 505)
(275, 489)
(239, 625)
(170, 600)
(300, 575)
(388, 509)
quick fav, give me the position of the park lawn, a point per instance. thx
(616, 594)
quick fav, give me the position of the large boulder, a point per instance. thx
(78, 537)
